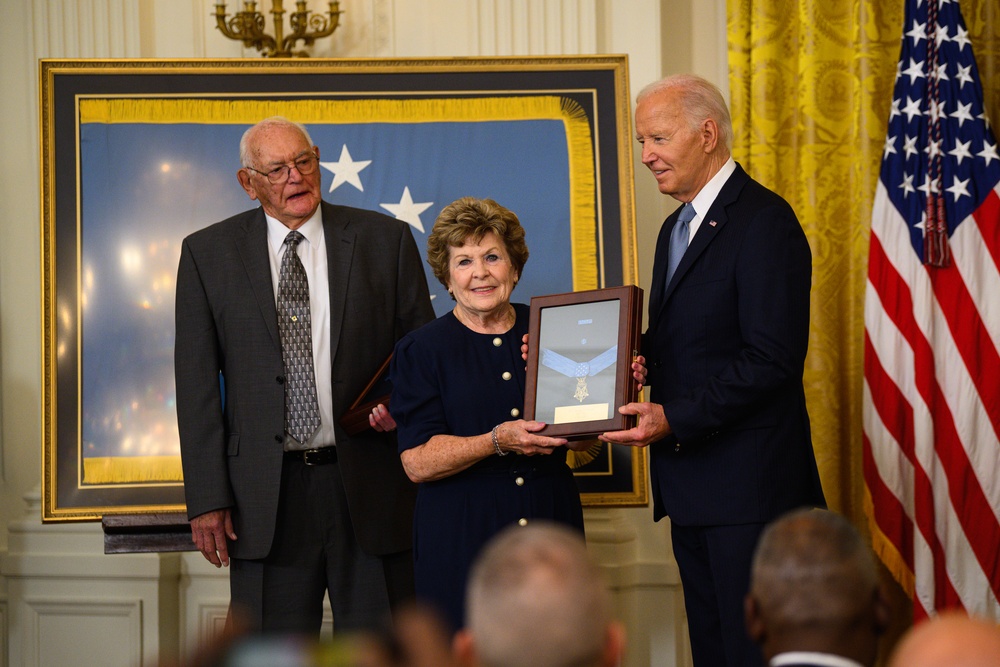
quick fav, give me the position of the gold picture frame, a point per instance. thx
(119, 192)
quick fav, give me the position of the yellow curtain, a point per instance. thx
(811, 85)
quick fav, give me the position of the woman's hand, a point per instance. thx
(445, 455)
(522, 437)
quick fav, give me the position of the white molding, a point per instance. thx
(203, 596)
(211, 619)
(491, 27)
(45, 609)
(90, 567)
(642, 575)
(86, 28)
(530, 28)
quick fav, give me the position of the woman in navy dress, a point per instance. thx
(458, 391)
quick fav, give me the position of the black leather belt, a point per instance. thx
(314, 457)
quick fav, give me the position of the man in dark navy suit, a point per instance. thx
(725, 349)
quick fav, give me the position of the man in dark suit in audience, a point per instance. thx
(725, 349)
(815, 596)
(296, 505)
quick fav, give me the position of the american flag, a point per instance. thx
(932, 327)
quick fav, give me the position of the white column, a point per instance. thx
(71, 604)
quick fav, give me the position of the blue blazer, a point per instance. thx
(226, 322)
(725, 349)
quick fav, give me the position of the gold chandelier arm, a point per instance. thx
(309, 28)
(248, 26)
(278, 14)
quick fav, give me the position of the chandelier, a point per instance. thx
(248, 26)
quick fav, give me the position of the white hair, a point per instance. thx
(274, 121)
(699, 100)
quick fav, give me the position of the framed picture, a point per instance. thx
(579, 373)
(138, 154)
(580, 365)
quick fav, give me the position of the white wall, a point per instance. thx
(60, 596)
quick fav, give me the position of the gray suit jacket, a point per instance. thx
(229, 371)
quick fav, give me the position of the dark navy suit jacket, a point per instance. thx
(725, 349)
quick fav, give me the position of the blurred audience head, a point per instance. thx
(814, 586)
(951, 639)
(416, 637)
(536, 598)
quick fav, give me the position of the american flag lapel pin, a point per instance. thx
(712, 223)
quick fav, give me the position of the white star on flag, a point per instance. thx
(989, 152)
(346, 170)
(914, 71)
(890, 146)
(912, 108)
(959, 188)
(964, 75)
(408, 211)
(962, 114)
(960, 151)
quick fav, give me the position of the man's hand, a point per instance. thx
(381, 420)
(652, 426)
(209, 532)
(639, 370)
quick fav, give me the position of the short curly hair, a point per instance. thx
(468, 219)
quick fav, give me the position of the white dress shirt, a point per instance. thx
(812, 658)
(706, 197)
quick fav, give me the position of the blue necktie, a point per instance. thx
(678, 240)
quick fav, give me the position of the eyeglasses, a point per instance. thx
(305, 166)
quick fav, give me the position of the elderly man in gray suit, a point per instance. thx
(275, 488)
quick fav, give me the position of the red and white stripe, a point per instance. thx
(932, 410)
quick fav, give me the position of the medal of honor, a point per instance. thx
(580, 370)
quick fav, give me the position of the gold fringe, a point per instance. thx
(319, 111)
(131, 469)
(583, 196)
(583, 201)
(577, 459)
(886, 550)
